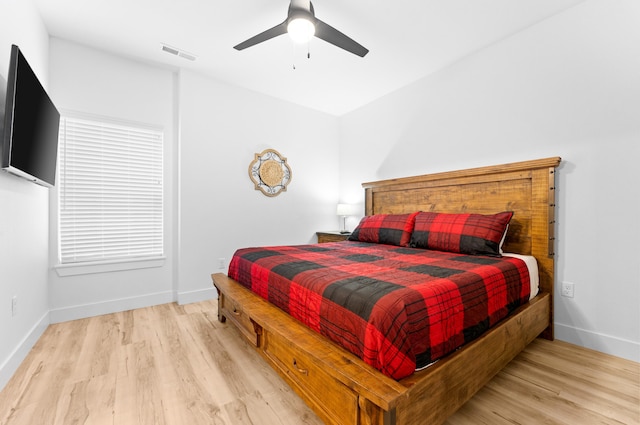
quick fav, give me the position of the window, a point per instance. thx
(110, 191)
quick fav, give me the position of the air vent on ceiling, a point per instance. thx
(178, 52)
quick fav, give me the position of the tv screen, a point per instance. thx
(31, 122)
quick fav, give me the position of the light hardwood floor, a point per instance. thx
(172, 364)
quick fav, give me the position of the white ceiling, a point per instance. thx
(407, 40)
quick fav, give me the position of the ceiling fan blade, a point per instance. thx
(331, 35)
(263, 36)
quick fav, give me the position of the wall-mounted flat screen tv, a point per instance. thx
(29, 133)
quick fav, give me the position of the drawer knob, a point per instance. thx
(235, 311)
(302, 371)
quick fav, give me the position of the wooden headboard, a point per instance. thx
(526, 188)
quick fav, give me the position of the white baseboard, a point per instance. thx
(112, 306)
(17, 356)
(196, 296)
(608, 344)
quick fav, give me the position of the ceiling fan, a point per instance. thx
(302, 25)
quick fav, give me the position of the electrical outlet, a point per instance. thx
(221, 262)
(568, 289)
(14, 305)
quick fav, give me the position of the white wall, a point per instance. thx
(222, 128)
(92, 82)
(24, 210)
(569, 87)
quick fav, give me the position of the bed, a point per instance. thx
(344, 389)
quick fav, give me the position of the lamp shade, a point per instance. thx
(344, 210)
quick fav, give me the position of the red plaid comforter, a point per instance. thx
(396, 308)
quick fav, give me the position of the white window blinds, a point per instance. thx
(110, 191)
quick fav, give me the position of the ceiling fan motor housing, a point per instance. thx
(301, 9)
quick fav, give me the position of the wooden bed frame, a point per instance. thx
(340, 387)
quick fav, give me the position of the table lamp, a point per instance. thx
(344, 211)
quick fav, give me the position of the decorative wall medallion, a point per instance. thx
(270, 172)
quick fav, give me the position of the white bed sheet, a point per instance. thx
(532, 265)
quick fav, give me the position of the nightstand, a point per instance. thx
(332, 236)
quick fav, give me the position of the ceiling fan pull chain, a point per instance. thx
(293, 55)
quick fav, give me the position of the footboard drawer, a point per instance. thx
(332, 400)
(232, 310)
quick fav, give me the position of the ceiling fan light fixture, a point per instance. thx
(301, 30)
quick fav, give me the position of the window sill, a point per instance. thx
(76, 269)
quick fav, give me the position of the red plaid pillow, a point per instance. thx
(463, 233)
(389, 229)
